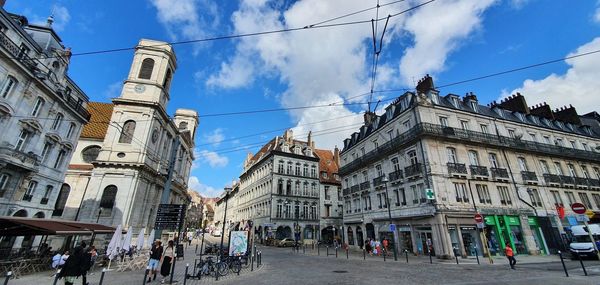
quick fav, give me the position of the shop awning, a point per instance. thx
(15, 226)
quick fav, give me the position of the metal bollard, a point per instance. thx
(145, 276)
(406, 253)
(252, 260)
(318, 249)
(582, 266)
(238, 273)
(430, 260)
(102, 276)
(327, 247)
(384, 254)
(185, 277)
(364, 254)
(304, 249)
(456, 254)
(196, 250)
(54, 283)
(563, 263)
(347, 250)
(9, 274)
(336, 249)
(477, 255)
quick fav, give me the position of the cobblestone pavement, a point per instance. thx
(307, 266)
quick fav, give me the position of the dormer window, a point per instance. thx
(535, 119)
(473, 105)
(559, 124)
(435, 98)
(389, 112)
(500, 112)
(454, 101)
(519, 115)
(569, 126)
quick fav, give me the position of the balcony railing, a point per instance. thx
(551, 178)
(457, 168)
(413, 170)
(594, 183)
(567, 180)
(529, 176)
(396, 175)
(365, 185)
(42, 72)
(346, 191)
(27, 197)
(354, 189)
(499, 173)
(378, 181)
(580, 181)
(460, 135)
(9, 155)
(477, 170)
(44, 201)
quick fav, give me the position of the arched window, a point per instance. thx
(127, 132)
(39, 103)
(8, 86)
(146, 69)
(61, 200)
(57, 121)
(107, 202)
(90, 153)
(167, 82)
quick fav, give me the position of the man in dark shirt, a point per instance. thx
(155, 254)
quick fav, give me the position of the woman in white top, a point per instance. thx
(167, 260)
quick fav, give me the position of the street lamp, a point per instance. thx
(99, 213)
(387, 202)
(226, 197)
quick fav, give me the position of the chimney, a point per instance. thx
(288, 135)
(369, 117)
(542, 110)
(470, 97)
(568, 114)
(310, 143)
(2, 2)
(336, 154)
(425, 84)
(515, 103)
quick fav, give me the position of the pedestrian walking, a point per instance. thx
(156, 253)
(85, 259)
(385, 245)
(368, 247)
(510, 255)
(190, 237)
(167, 261)
(72, 268)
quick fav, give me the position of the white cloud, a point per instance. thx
(597, 14)
(205, 190)
(518, 4)
(113, 90)
(321, 66)
(212, 158)
(59, 13)
(187, 19)
(577, 86)
(215, 137)
(433, 44)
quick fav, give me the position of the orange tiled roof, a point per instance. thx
(98, 125)
(81, 167)
(328, 164)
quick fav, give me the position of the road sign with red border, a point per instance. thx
(478, 218)
(578, 208)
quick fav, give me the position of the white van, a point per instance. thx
(582, 244)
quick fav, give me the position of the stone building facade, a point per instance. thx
(119, 172)
(512, 163)
(42, 112)
(330, 195)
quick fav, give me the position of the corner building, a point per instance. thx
(120, 168)
(514, 164)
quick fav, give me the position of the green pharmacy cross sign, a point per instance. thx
(430, 194)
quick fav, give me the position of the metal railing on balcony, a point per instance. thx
(460, 135)
(365, 185)
(581, 181)
(567, 180)
(551, 178)
(9, 155)
(594, 183)
(346, 191)
(378, 181)
(529, 176)
(354, 189)
(396, 175)
(499, 173)
(477, 170)
(456, 168)
(43, 72)
(413, 170)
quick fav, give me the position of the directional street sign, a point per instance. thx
(430, 194)
(392, 227)
(169, 216)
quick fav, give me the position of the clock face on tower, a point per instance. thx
(139, 88)
(154, 135)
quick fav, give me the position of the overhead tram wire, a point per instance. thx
(226, 37)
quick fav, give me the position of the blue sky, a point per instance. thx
(450, 39)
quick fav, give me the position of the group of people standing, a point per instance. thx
(161, 258)
(72, 265)
(375, 247)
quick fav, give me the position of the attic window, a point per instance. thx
(434, 98)
(324, 174)
(569, 126)
(455, 101)
(389, 112)
(500, 112)
(560, 124)
(519, 115)
(535, 119)
(473, 105)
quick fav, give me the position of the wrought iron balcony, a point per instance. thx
(413, 170)
(580, 181)
(595, 183)
(529, 176)
(9, 155)
(477, 170)
(27, 197)
(567, 180)
(365, 185)
(346, 191)
(551, 178)
(459, 135)
(44, 201)
(354, 189)
(396, 175)
(42, 72)
(499, 173)
(457, 169)
(378, 181)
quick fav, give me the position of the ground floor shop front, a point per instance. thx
(446, 235)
